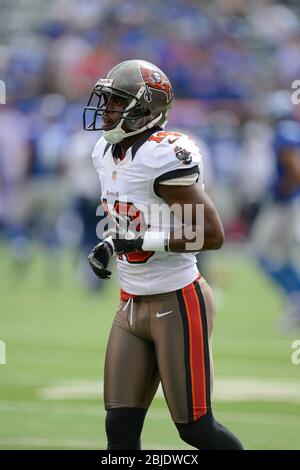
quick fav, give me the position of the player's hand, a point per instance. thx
(99, 259)
(124, 241)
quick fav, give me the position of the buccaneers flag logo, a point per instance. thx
(183, 155)
(156, 80)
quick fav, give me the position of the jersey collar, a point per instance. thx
(116, 147)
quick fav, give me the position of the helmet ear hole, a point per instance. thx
(138, 112)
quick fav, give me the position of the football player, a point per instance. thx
(162, 330)
(275, 230)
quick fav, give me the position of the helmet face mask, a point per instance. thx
(136, 95)
(102, 101)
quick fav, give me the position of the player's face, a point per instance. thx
(113, 113)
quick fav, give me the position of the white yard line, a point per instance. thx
(227, 389)
(73, 389)
(232, 389)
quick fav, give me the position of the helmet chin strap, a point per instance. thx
(116, 135)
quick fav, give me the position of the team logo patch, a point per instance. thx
(183, 155)
(157, 81)
(147, 94)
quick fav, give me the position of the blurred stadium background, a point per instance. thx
(225, 58)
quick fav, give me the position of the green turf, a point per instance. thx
(56, 333)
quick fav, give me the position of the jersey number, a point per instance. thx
(134, 220)
(160, 136)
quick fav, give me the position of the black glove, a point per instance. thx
(100, 256)
(128, 243)
(99, 259)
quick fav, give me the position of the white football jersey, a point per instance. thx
(134, 183)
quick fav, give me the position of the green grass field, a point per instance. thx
(55, 334)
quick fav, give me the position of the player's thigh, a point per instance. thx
(183, 347)
(131, 374)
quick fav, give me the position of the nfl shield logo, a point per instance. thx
(114, 175)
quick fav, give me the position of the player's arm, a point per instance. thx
(290, 159)
(209, 236)
(205, 236)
